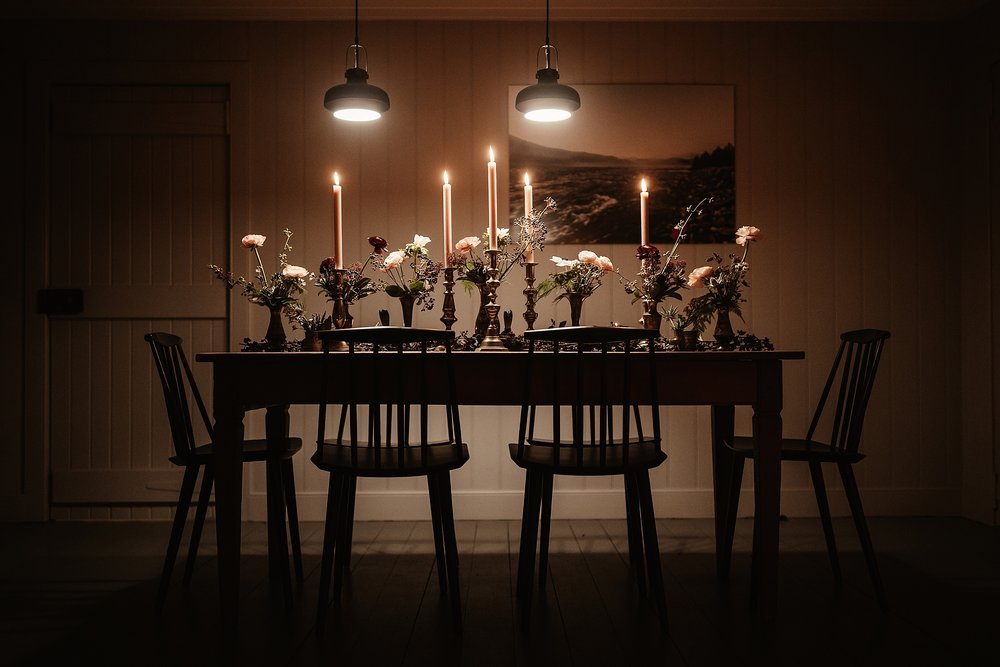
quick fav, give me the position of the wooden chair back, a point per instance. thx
(585, 382)
(389, 392)
(177, 381)
(855, 364)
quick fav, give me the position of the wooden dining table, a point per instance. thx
(275, 380)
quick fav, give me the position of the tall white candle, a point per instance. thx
(491, 182)
(338, 224)
(644, 214)
(529, 254)
(446, 213)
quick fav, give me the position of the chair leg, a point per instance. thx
(277, 543)
(439, 558)
(854, 499)
(450, 546)
(652, 544)
(199, 522)
(291, 504)
(180, 517)
(529, 540)
(819, 486)
(341, 562)
(636, 559)
(348, 540)
(543, 542)
(732, 510)
(329, 542)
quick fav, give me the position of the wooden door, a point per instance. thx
(139, 207)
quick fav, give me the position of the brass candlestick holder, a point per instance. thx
(492, 342)
(448, 307)
(341, 317)
(530, 293)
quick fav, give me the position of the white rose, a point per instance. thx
(292, 271)
(421, 241)
(560, 262)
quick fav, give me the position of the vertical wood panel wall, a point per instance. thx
(844, 159)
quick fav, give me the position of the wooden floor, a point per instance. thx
(82, 594)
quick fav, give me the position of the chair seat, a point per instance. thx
(253, 450)
(416, 460)
(642, 455)
(796, 449)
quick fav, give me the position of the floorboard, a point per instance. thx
(82, 593)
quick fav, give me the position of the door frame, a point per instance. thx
(33, 502)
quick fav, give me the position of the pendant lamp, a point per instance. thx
(356, 100)
(548, 100)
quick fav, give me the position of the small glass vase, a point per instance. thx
(723, 329)
(482, 318)
(575, 307)
(275, 335)
(406, 303)
(651, 317)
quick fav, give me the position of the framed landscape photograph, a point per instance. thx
(680, 138)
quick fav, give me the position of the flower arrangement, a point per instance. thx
(662, 278)
(356, 284)
(419, 285)
(725, 282)
(471, 265)
(277, 291)
(580, 276)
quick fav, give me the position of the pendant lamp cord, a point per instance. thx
(547, 21)
(356, 39)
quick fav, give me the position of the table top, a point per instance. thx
(258, 379)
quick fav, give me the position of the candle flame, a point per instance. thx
(492, 158)
(526, 181)
(336, 178)
(644, 185)
(446, 177)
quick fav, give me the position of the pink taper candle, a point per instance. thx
(491, 178)
(338, 224)
(446, 213)
(529, 254)
(644, 214)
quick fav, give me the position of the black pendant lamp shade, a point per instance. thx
(548, 100)
(356, 100)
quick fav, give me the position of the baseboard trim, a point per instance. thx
(609, 504)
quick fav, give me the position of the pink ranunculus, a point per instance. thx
(587, 257)
(744, 234)
(394, 259)
(292, 271)
(698, 276)
(253, 240)
(605, 264)
(467, 244)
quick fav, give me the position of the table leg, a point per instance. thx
(767, 486)
(723, 469)
(228, 438)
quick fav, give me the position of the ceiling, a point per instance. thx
(502, 10)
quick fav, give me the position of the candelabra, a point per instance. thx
(492, 341)
(448, 307)
(530, 293)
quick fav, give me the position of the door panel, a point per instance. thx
(139, 208)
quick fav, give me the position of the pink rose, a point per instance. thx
(698, 276)
(393, 259)
(587, 257)
(253, 240)
(605, 264)
(292, 271)
(744, 234)
(467, 244)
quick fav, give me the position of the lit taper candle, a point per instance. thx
(446, 213)
(644, 214)
(338, 224)
(491, 181)
(529, 253)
